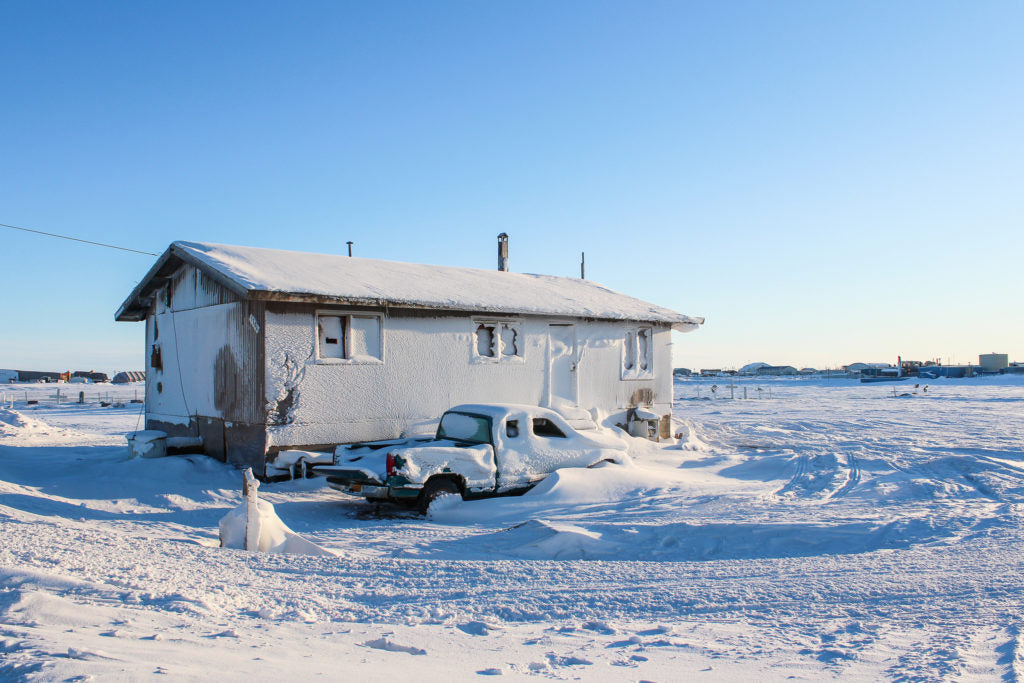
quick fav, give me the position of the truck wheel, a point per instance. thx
(434, 489)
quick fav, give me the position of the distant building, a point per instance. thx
(808, 371)
(39, 376)
(91, 375)
(129, 376)
(752, 368)
(935, 371)
(711, 372)
(856, 368)
(993, 362)
(682, 372)
(776, 371)
(8, 376)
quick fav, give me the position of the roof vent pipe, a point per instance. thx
(503, 252)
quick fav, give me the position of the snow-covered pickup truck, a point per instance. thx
(480, 450)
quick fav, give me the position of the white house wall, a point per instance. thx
(429, 366)
(210, 380)
(189, 343)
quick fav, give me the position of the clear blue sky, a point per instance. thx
(825, 182)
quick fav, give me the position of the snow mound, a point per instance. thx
(14, 423)
(604, 484)
(275, 536)
(538, 539)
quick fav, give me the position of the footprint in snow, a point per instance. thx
(388, 646)
(74, 653)
(230, 633)
(555, 660)
(476, 628)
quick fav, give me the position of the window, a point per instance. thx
(365, 337)
(545, 427)
(512, 429)
(497, 341)
(638, 353)
(331, 332)
(464, 427)
(485, 341)
(352, 338)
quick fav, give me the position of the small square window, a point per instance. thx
(354, 338)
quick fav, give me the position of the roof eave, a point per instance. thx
(680, 324)
(136, 306)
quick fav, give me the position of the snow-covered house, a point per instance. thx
(260, 350)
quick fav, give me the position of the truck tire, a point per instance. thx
(438, 486)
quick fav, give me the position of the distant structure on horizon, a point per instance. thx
(988, 364)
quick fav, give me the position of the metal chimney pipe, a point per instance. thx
(503, 252)
(349, 243)
(583, 265)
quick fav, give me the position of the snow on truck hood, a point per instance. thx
(274, 274)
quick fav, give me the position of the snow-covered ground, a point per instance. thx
(834, 530)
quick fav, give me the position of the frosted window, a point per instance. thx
(497, 341)
(485, 341)
(638, 354)
(643, 339)
(509, 340)
(331, 333)
(365, 337)
(629, 355)
(462, 427)
(356, 338)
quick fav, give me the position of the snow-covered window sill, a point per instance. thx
(348, 361)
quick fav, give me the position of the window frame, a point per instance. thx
(347, 340)
(497, 342)
(546, 424)
(631, 352)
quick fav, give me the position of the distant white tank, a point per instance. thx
(993, 362)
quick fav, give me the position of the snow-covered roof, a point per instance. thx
(272, 274)
(752, 367)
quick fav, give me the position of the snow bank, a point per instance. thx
(542, 540)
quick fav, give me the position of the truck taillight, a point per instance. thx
(390, 464)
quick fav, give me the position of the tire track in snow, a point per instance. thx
(798, 477)
(852, 479)
(1012, 655)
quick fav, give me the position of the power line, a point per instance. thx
(75, 239)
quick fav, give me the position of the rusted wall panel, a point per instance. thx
(211, 383)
